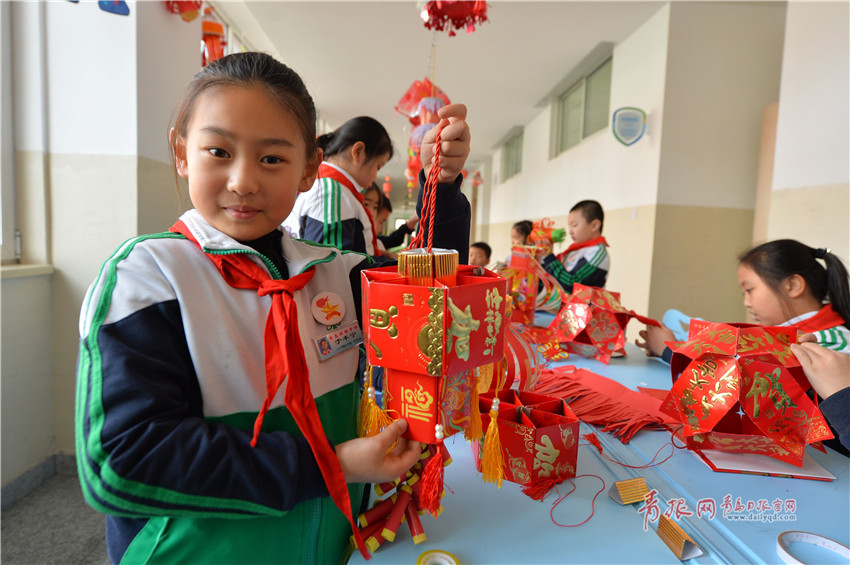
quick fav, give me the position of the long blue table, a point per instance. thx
(483, 524)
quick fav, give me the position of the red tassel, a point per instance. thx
(432, 483)
(539, 488)
(593, 440)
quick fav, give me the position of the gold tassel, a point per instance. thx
(491, 457)
(371, 419)
(473, 431)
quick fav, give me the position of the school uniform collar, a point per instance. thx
(298, 255)
(816, 320)
(329, 170)
(581, 245)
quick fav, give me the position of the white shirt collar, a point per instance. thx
(359, 188)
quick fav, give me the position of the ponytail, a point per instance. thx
(837, 286)
(777, 260)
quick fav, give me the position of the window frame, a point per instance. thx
(511, 157)
(559, 110)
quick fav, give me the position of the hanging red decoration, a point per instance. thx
(387, 187)
(449, 15)
(187, 9)
(214, 41)
(409, 104)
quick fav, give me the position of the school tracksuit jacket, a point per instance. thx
(170, 380)
(587, 265)
(332, 212)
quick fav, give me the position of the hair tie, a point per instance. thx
(821, 253)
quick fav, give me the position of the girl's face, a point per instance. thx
(365, 172)
(244, 159)
(517, 238)
(760, 300)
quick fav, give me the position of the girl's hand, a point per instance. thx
(828, 371)
(654, 338)
(366, 460)
(455, 143)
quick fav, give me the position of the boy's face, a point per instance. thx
(477, 257)
(580, 229)
(245, 161)
(370, 201)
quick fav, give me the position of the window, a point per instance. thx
(512, 157)
(583, 109)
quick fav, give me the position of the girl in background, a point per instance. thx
(785, 285)
(333, 211)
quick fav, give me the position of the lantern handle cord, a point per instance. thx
(429, 200)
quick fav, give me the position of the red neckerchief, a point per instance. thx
(582, 245)
(327, 171)
(285, 357)
(826, 318)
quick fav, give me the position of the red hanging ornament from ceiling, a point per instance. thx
(187, 9)
(449, 15)
(214, 38)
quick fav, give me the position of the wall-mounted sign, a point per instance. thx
(628, 125)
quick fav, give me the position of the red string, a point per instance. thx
(561, 498)
(429, 200)
(591, 437)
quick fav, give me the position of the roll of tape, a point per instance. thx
(437, 557)
(785, 539)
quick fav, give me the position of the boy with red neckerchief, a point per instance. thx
(586, 261)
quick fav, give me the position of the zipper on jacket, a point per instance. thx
(313, 529)
(268, 263)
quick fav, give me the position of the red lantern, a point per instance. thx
(387, 187)
(454, 14)
(593, 323)
(187, 9)
(741, 389)
(409, 103)
(214, 41)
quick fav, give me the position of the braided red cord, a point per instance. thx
(429, 200)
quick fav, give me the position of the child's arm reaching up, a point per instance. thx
(367, 459)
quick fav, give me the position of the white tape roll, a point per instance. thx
(437, 557)
(785, 539)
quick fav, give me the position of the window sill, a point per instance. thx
(20, 271)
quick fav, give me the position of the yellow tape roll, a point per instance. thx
(437, 557)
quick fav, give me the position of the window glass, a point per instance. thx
(598, 96)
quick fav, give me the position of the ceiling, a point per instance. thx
(359, 58)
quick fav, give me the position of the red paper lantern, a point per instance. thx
(593, 323)
(454, 14)
(214, 41)
(187, 9)
(739, 388)
(387, 186)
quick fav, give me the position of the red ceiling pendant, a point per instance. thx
(449, 15)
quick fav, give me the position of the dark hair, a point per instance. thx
(777, 260)
(524, 227)
(483, 247)
(368, 130)
(590, 210)
(252, 70)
